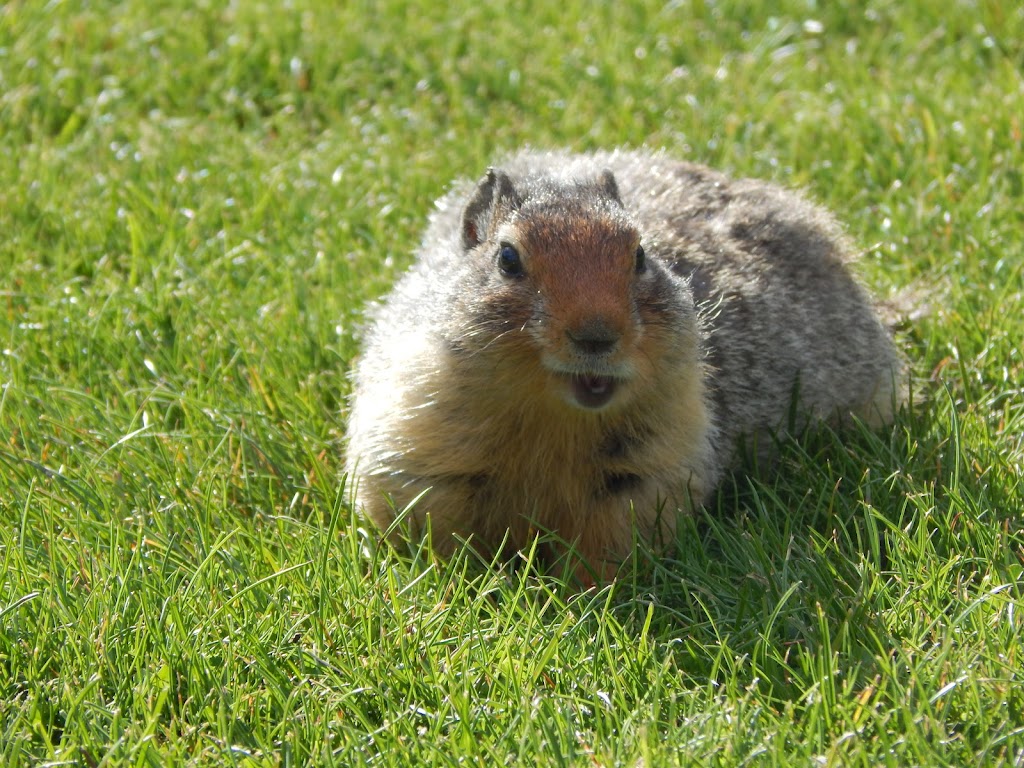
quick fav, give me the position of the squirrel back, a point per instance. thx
(583, 340)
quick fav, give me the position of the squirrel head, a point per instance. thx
(566, 280)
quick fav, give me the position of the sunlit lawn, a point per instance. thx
(196, 200)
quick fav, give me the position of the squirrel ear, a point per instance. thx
(609, 185)
(493, 194)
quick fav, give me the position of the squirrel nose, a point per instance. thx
(595, 337)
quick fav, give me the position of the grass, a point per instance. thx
(195, 201)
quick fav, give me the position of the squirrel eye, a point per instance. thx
(641, 259)
(509, 262)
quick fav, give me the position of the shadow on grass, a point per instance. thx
(800, 563)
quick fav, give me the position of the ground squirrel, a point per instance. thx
(584, 340)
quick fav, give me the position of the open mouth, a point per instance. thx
(591, 391)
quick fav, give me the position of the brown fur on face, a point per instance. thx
(584, 273)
